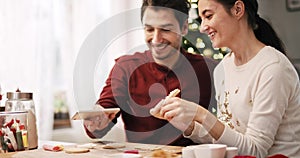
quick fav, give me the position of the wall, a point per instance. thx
(285, 23)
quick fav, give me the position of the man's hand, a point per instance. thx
(98, 122)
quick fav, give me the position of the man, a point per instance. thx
(138, 82)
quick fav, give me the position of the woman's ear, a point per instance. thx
(185, 29)
(238, 10)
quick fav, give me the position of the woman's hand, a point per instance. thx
(179, 112)
(182, 114)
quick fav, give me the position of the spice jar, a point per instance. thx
(22, 101)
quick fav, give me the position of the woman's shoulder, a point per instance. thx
(275, 63)
(271, 56)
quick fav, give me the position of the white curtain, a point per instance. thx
(28, 51)
(39, 41)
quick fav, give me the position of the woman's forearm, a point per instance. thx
(210, 123)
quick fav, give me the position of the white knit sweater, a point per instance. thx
(263, 105)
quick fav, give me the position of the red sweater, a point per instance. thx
(136, 84)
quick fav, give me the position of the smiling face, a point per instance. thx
(217, 23)
(163, 34)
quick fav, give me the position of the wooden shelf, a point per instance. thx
(61, 123)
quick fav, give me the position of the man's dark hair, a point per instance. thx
(180, 8)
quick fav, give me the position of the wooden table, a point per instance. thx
(146, 150)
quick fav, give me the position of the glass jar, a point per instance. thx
(22, 101)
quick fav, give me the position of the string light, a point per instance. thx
(200, 43)
(191, 50)
(194, 5)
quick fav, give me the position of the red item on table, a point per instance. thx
(53, 147)
(273, 156)
(131, 151)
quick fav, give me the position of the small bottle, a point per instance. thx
(19, 139)
(24, 136)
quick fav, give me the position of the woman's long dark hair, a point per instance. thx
(263, 31)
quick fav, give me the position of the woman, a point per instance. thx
(257, 88)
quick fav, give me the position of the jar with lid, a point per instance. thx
(23, 101)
